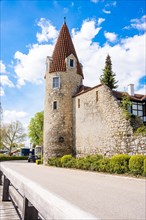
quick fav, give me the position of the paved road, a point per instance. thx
(104, 196)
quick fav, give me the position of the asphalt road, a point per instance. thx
(104, 196)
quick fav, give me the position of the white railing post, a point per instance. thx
(29, 212)
(6, 184)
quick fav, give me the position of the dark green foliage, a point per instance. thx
(126, 104)
(35, 129)
(119, 163)
(136, 164)
(6, 158)
(82, 164)
(141, 130)
(54, 161)
(104, 165)
(108, 77)
(144, 170)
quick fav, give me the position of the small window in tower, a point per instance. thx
(56, 82)
(78, 103)
(71, 63)
(54, 105)
(96, 96)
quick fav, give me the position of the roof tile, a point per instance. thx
(63, 48)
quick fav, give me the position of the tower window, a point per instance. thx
(71, 63)
(78, 103)
(54, 105)
(56, 82)
(96, 96)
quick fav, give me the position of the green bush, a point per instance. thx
(38, 162)
(119, 163)
(6, 158)
(70, 163)
(94, 166)
(136, 164)
(141, 130)
(54, 161)
(65, 159)
(104, 165)
(144, 170)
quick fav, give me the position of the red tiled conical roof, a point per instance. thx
(63, 48)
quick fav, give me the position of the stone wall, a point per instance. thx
(58, 123)
(100, 126)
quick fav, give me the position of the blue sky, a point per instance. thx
(29, 30)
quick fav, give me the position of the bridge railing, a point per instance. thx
(34, 201)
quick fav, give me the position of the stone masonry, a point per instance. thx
(100, 126)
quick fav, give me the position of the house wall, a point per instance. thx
(100, 126)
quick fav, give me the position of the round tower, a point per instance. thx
(63, 79)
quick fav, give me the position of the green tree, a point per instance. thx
(12, 135)
(108, 77)
(35, 129)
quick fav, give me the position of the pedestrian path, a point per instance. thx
(7, 209)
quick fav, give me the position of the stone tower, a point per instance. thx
(63, 78)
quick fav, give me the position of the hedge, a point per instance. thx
(6, 158)
(119, 164)
(136, 164)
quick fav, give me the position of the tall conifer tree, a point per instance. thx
(108, 76)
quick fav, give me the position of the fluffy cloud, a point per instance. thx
(14, 115)
(31, 67)
(2, 67)
(139, 24)
(49, 32)
(112, 37)
(106, 11)
(5, 81)
(2, 93)
(127, 57)
(100, 20)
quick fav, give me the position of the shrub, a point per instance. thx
(38, 162)
(66, 158)
(95, 166)
(54, 161)
(6, 157)
(141, 130)
(104, 165)
(119, 163)
(144, 170)
(71, 163)
(136, 164)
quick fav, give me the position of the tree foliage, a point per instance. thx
(12, 135)
(35, 129)
(108, 76)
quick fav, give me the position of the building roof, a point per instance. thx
(119, 95)
(136, 97)
(63, 48)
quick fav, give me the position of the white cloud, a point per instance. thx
(111, 37)
(49, 32)
(94, 1)
(106, 11)
(31, 67)
(111, 4)
(6, 82)
(2, 67)
(13, 115)
(100, 20)
(127, 57)
(139, 24)
(2, 93)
